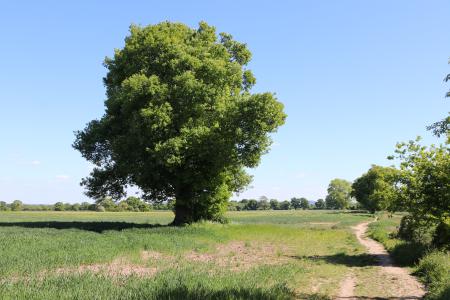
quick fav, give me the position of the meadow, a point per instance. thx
(258, 255)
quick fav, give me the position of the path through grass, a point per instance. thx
(259, 255)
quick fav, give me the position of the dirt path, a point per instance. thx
(347, 288)
(400, 284)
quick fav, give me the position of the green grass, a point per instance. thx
(284, 255)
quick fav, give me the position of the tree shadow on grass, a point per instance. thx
(360, 260)
(277, 292)
(98, 227)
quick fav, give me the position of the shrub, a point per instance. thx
(408, 253)
(441, 236)
(434, 270)
(416, 230)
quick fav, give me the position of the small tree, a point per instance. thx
(304, 203)
(16, 205)
(180, 121)
(85, 206)
(136, 204)
(377, 189)
(59, 206)
(338, 194)
(252, 204)
(274, 204)
(76, 207)
(3, 206)
(107, 203)
(295, 203)
(263, 204)
(285, 205)
(123, 206)
(320, 204)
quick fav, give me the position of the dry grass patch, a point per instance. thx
(241, 256)
(118, 267)
(152, 255)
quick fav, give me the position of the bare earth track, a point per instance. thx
(406, 286)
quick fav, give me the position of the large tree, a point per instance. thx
(180, 121)
(338, 194)
(377, 190)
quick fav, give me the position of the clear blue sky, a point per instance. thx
(355, 78)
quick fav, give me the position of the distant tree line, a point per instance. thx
(263, 203)
(106, 204)
(138, 205)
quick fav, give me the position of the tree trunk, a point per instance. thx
(183, 215)
(184, 210)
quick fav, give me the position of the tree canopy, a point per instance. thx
(338, 194)
(180, 121)
(425, 180)
(376, 190)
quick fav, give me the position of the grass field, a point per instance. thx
(258, 255)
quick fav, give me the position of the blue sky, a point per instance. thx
(355, 78)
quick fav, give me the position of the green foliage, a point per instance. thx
(320, 204)
(16, 205)
(304, 203)
(136, 204)
(107, 204)
(424, 188)
(180, 122)
(274, 204)
(100, 208)
(285, 205)
(434, 269)
(251, 204)
(3, 206)
(376, 190)
(416, 230)
(59, 206)
(425, 180)
(338, 194)
(299, 203)
(441, 238)
(86, 206)
(263, 203)
(295, 203)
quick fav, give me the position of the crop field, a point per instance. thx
(258, 255)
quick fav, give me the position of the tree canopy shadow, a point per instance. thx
(360, 260)
(382, 298)
(277, 292)
(98, 226)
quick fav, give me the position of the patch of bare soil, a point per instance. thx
(239, 256)
(152, 255)
(398, 281)
(119, 267)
